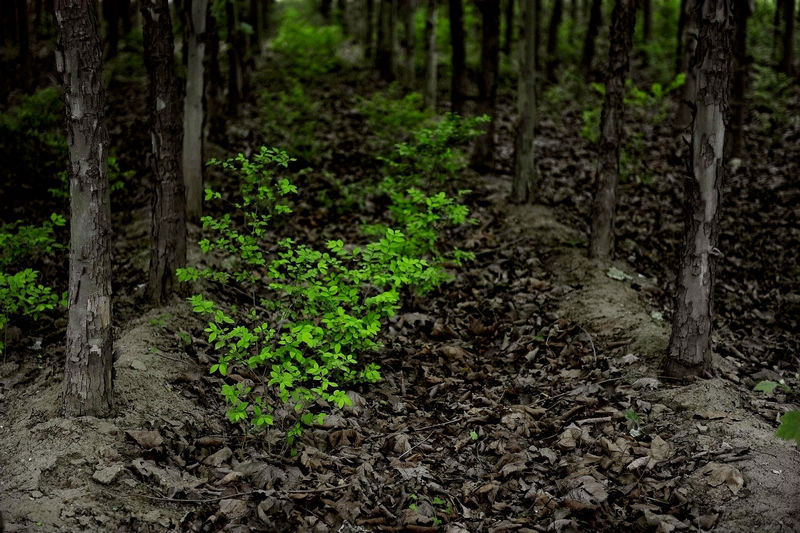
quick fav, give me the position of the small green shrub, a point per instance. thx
(789, 428)
(290, 120)
(770, 100)
(306, 50)
(21, 243)
(391, 115)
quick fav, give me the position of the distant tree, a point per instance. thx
(690, 48)
(525, 174)
(87, 387)
(623, 21)
(254, 19)
(193, 111)
(125, 16)
(168, 223)
(24, 43)
(458, 89)
(384, 56)
(741, 62)
(483, 153)
(111, 14)
(689, 350)
(787, 57)
(509, 28)
(431, 60)
(592, 29)
(556, 17)
(368, 38)
(236, 50)
(408, 42)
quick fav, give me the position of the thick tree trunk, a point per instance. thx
(193, 110)
(604, 207)
(509, 33)
(690, 48)
(111, 14)
(787, 58)
(409, 75)
(689, 351)
(483, 153)
(458, 88)
(738, 106)
(168, 230)
(595, 16)
(384, 56)
(24, 43)
(525, 174)
(431, 59)
(87, 387)
(552, 40)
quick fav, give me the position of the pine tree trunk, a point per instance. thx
(408, 43)
(690, 48)
(168, 230)
(735, 145)
(431, 59)
(552, 40)
(384, 56)
(623, 21)
(459, 80)
(787, 58)
(595, 16)
(525, 174)
(24, 44)
(87, 386)
(193, 110)
(111, 14)
(483, 153)
(689, 350)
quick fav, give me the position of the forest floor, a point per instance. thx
(504, 395)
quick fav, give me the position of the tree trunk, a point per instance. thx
(111, 14)
(552, 40)
(776, 28)
(509, 34)
(384, 56)
(125, 16)
(168, 230)
(408, 43)
(689, 88)
(235, 48)
(325, 10)
(459, 80)
(431, 59)
(525, 174)
(193, 111)
(689, 350)
(213, 89)
(595, 16)
(604, 207)
(735, 144)
(87, 388)
(647, 20)
(24, 44)
(483, 153)
(254, 19)
(537, 9)
(787, 61)
(369, 29)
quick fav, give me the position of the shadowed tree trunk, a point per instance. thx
(685, 107)
(604, 207)
(193, 110)
(87, 386)
(552, 39)
(537, 9)
(595, 16)
(483, 153)
(647, 20)
(254, 19)
(409, 76)
(368, 40)
(525, 175)
(458, 88)
(235, 62)
(689, 350)
(738, 106)
(787, 61)
(111, 14)
(24, 43)
(509, 33)
(168, 229)
(776, 28)
(384, 56)
(431, 59)
(125, 16)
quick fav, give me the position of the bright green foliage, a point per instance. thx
(290, 120)
(789, 428)
(772, 92)
(306, 50)
(314, 313)
(21, 243)
(391, 115)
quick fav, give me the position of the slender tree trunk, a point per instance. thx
(787, 58)
(552, 40)
(776, 28)
(409, 74)
(647, 20)
(689, 351)
(369, 29)
(125, 16)
(509, 33)
(193, 110)
(168, 230)
(431, 59)
(592, 30)
(111, 14)
(88, 386)
(235, 67)
(689, 88)
(604, 207)
(483, 153)
(254, 19)
(459, 80)
(384, 56)
(215, 81)
(735, 145)
(525, 174)
(537, 8)
(679, 48)
(24, 44)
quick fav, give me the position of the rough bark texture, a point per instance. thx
(591, 36)
(168, 229)
(193, 112)
(735, 143)
(87, 386)
(525, 175)
(459, 81)
(689, 88)
(431, 59)
(689, 350)
(552, 39)
(787, 61)
(483, 154)
(409, 74)
(384, 55)
(623, 20)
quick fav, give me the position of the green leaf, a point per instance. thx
(766, 386)
(790, 426)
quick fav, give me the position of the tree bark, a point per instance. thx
(735, 144)
(689, 351)
(193, 109)
(525, 174)
(552, 39)
(483, 153)
(409, 75)
(87, 387)
(168, 229)
(689, 88)
(595, 16)
(24, 44)
(431, 59)
(604, 207)
(458, 88)
(384, 56)
(787, 58)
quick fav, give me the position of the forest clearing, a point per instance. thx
(400, 265)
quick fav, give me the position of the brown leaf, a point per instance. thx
(147, 440)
